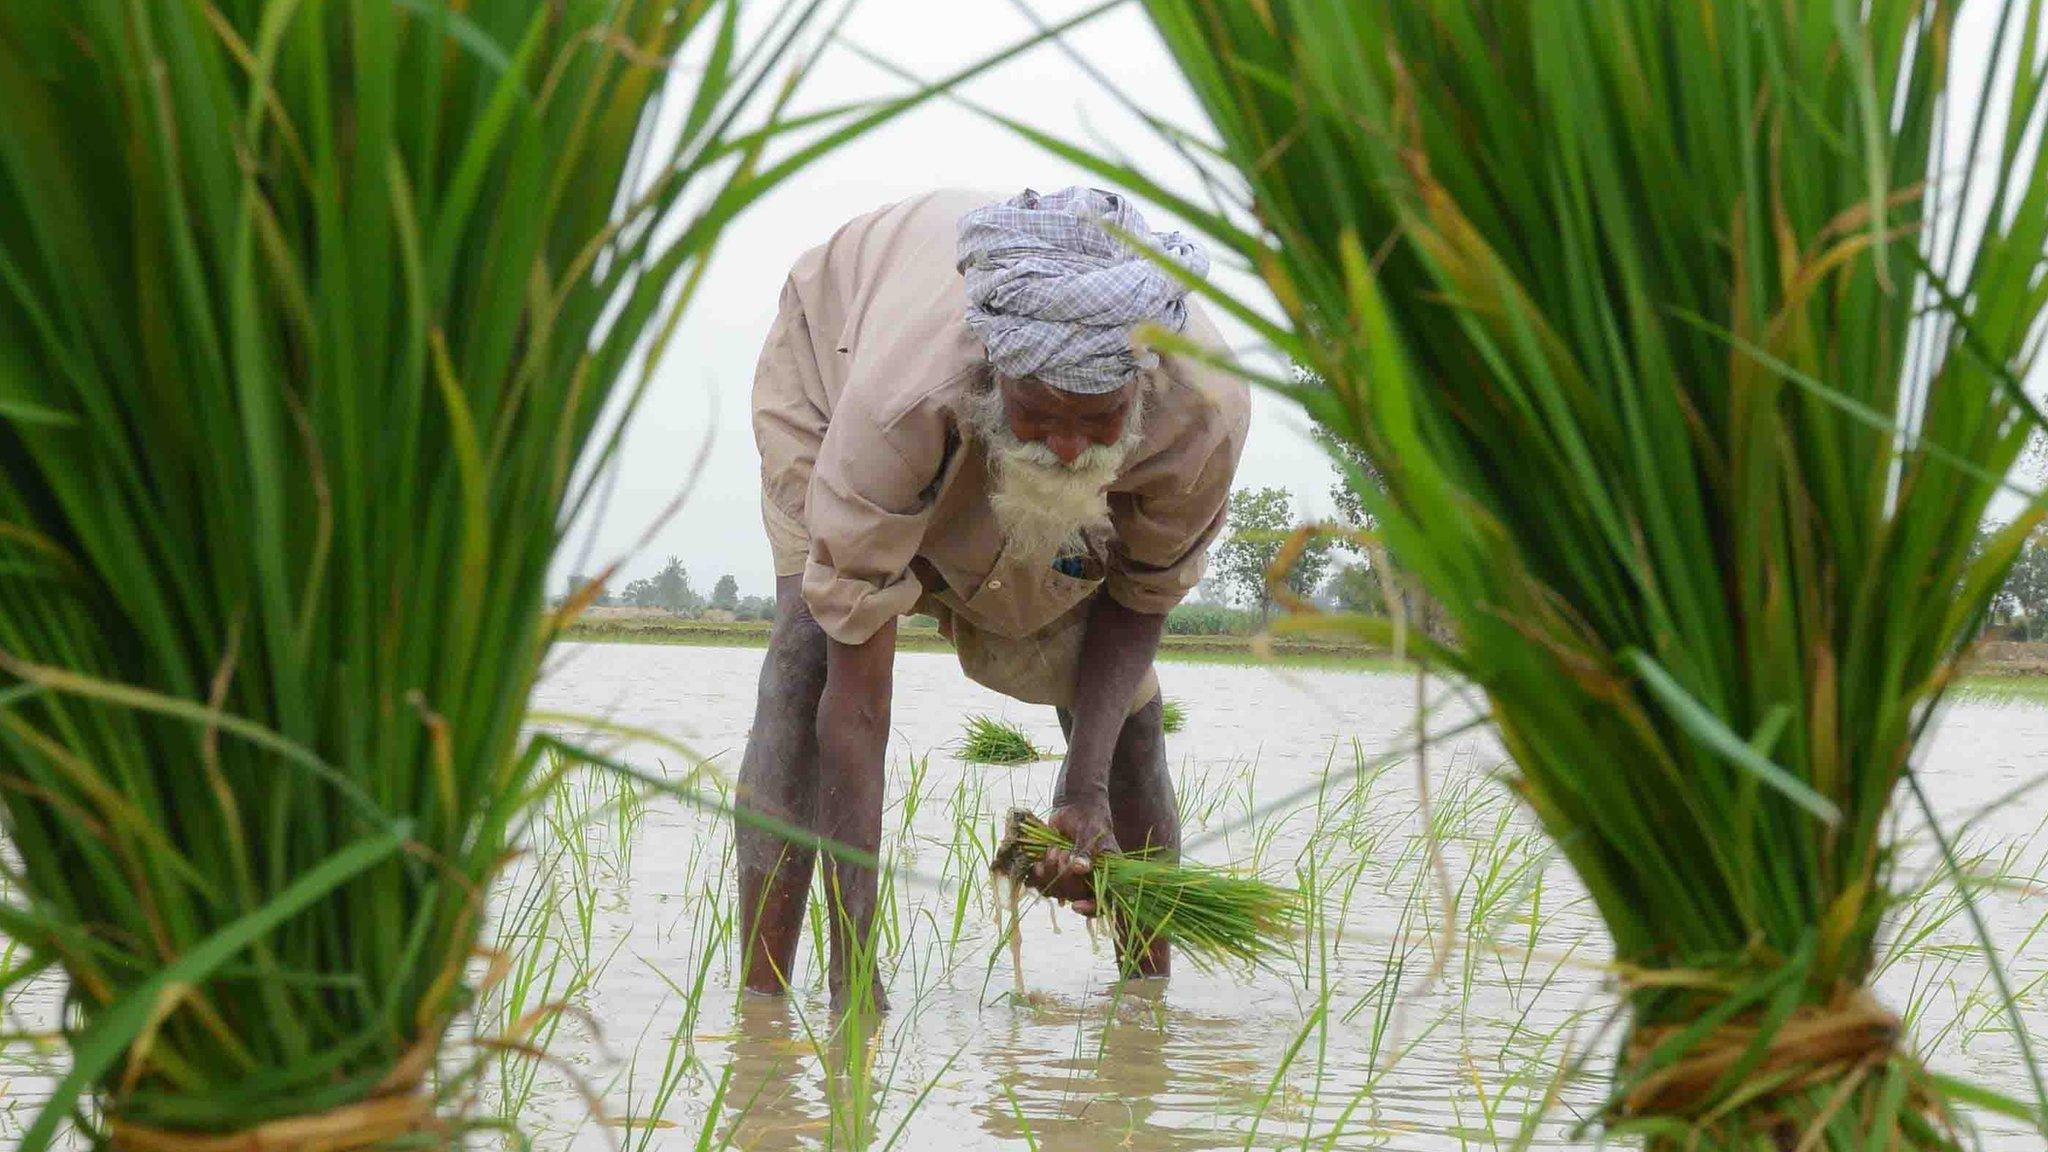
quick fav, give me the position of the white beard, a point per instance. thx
(1044, 506)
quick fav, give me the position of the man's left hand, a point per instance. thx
(1063, 875)
(1116, 652)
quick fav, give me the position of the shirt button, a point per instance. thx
(995, 585)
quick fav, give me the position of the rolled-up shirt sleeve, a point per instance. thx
(1165, 526)
(868, 510)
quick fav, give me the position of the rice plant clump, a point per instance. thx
(992, 741)
(1173, 715)
(313, 321)
(1684, 343)
(1215, 916)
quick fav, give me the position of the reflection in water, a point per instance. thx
(1139, 1075)
(784, 1095)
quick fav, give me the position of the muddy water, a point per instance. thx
(1388, 1033)
(1383, 1037)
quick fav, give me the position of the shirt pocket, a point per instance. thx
(1065, 591)
(1020, 596)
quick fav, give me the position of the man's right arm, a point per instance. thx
(866, 510)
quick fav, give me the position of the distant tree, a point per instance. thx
(1357, 587)
(2020, 611)
(755, 608)
(577, 582)
(672, 585)
(2024, 599)
(1259, 520)
(668, 590)
(726, 593)
(1347, 459)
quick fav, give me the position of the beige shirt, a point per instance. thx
(855, 413)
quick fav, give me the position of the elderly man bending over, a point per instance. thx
(953, 420)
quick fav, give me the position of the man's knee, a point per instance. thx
(1141, 746)
(797, 644)
(1150, 715)
(1146, 728)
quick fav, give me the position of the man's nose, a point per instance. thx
(1068, 446)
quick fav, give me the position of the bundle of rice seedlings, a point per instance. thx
(1686, 337)
(308, 316)
(988, 740)
(1215, 916)
(1173, 715)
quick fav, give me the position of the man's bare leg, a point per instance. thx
(1143, 810)
(779, 779)
(853, 725)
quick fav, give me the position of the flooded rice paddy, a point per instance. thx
(1429, 1008)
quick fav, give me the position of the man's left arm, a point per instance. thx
(1117, 650)
(1163, 531)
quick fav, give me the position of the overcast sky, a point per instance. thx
(702, 387)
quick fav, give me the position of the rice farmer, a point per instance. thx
(953, 419)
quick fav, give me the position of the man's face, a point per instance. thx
(1053, 456)
(1066, 423)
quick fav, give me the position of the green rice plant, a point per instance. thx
(314, 320)
(1173, 715)
(542, 966)
(966, 854)
(1214, 915)
(1686, 338)
(988, 740)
